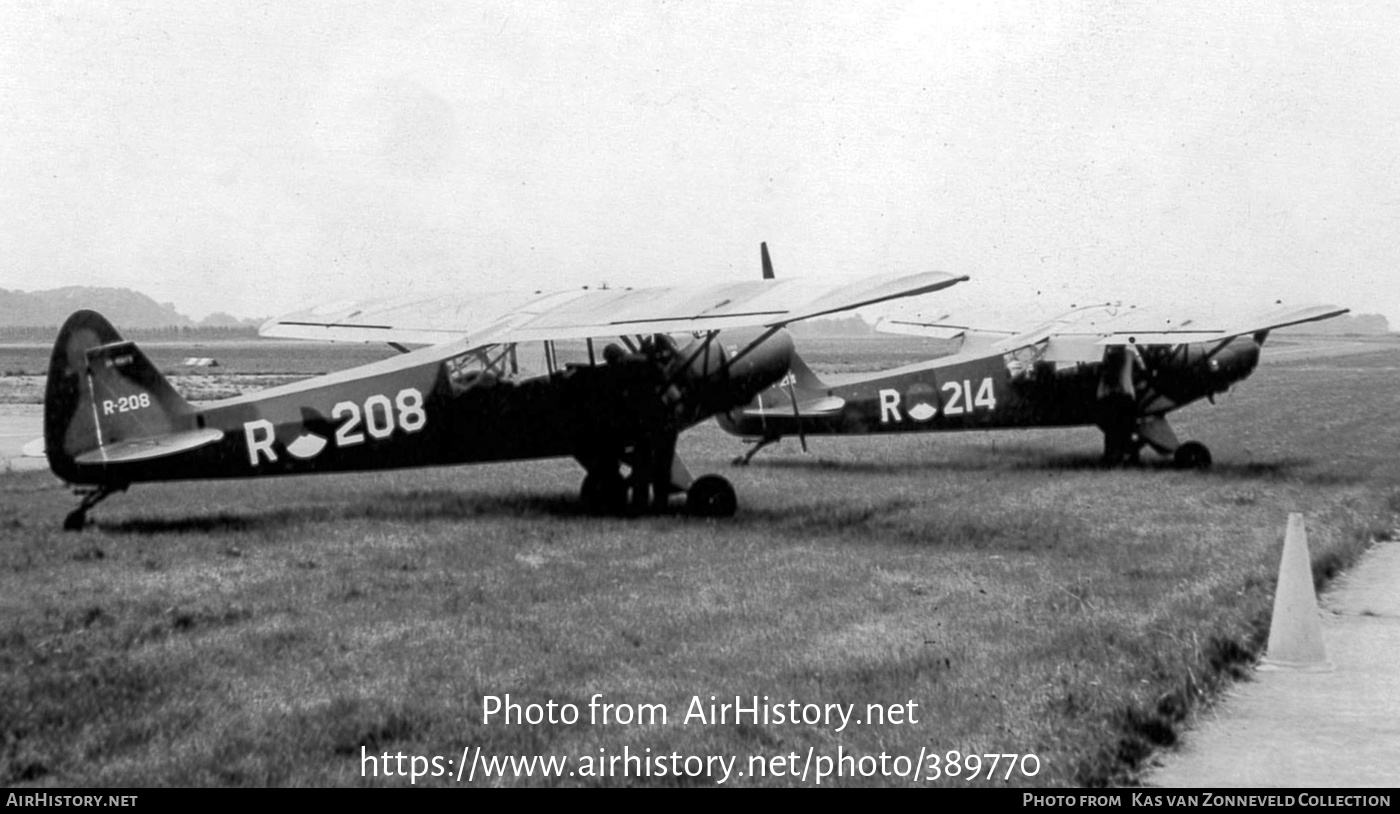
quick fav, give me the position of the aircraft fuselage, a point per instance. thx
(113, 420)
(986, 391)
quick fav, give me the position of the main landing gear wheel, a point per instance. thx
(1192, 455)
(711, 496)
(603, 493)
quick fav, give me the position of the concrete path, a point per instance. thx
(20, 424)
(1298, 728)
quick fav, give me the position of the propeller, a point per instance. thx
(767, 261)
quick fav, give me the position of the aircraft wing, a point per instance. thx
(1081, 334)
(1227, 329)
(1156, 331)
(993, 326)
(539, 315)
(413, 319)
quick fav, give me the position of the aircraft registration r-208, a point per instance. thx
(111, 419)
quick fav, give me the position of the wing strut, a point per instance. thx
(704, 350)
(796, 413)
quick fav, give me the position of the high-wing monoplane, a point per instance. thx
(111, 419)
(1117, 368)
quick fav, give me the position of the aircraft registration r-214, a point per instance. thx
(111, 419)
(1119, 369)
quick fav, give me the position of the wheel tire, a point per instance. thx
(711, 496)
(1192, 455)
(603, 494)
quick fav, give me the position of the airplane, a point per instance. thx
(1118, 368)
(111, 419)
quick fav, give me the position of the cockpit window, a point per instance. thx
(482, 367)
(516, 363)
(1021, 363)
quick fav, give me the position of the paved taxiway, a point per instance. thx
(1321, 729)
(20, 424)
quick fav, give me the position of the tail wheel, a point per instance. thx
(91, 496)
(711, 496)
(1192, 455)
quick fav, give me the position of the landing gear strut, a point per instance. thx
(658, 389)
(77, 519)
(1123, 449)
(1155, 430)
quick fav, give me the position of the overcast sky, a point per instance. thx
(254, 157)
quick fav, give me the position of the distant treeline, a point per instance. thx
(1344, 325)
(173, 333)
(852, 325)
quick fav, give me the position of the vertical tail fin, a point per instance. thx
(103, 391)
(803, 378)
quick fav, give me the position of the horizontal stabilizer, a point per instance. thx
(145, 449)
(824, 405)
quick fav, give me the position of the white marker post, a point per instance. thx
(1295, 634)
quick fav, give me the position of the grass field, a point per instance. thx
(263, 632)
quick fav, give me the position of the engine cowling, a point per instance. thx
(710, 380)
(1199, 370)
